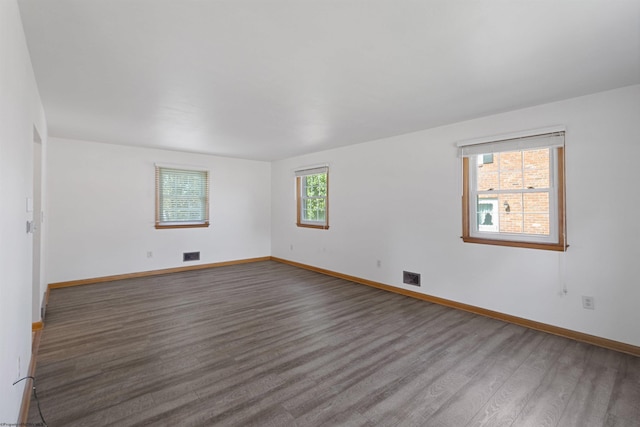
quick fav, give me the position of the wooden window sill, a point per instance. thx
(161, 226)
(321, 227)
(530, 245)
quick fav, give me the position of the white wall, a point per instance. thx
(101, 211)
(397, 200)
(20, 111)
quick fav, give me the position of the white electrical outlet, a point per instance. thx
(291, 247)
(149, 254)
(588, 303)
(378, 263)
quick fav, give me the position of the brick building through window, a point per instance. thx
(516, 212)
(513, 191)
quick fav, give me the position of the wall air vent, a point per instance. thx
(409, 278)
(191, 256)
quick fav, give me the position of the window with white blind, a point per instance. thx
(513, 191)
(312, 194)
(182, 197)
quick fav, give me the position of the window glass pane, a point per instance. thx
(487, 175)
(536, 224)
(536, 168)
(511, 223)
(510, 170)
(510, 206)
(314, 210)
(315, 185)
(521, 213)
(488, 213)
(536, 213)
(514, 170)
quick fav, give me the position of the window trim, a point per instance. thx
(301, 173)
(560, 223)
(181, 224)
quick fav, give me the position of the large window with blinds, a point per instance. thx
(513, 191)
(312, 194)
(182, 197)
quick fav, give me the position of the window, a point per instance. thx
(312, 193)
(513, 192)
(182, 198)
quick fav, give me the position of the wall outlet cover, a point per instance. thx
(588, 303)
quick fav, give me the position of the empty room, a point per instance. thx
(319, 213)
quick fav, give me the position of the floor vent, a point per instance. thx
(191, 256)
(409, 278)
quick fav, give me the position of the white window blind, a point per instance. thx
(182, 196)
(531, 142)
(312, 170)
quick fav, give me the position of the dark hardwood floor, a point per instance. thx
(267, 344)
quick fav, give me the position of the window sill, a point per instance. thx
(560, 247)
(163, 226)
(321, 227)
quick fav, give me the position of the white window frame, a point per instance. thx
(301, 197)
(203, 220)
(472, 153)
(475, 228)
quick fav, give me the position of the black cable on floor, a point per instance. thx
(34, 395)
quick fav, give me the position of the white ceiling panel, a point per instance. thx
(266, 80)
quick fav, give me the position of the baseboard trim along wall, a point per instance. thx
(23, 417)
(36, 326)
(151, 273)
(543, 327)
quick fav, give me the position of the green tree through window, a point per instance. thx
(313, 191)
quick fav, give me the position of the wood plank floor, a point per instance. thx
(268, 344)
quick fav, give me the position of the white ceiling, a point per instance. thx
(270, 79)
